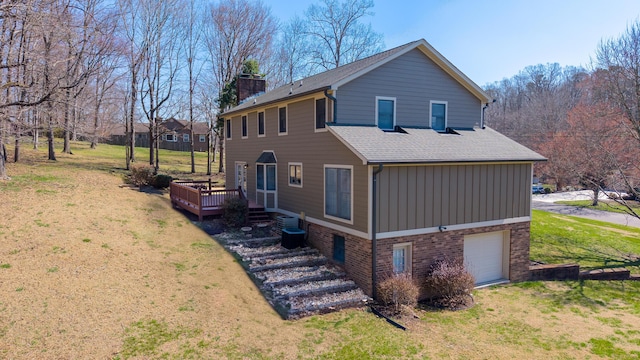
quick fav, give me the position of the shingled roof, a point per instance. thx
(332, 79)
(412, 145)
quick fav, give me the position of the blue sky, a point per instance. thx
(494, 39)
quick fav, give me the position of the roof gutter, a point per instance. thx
(335, 105)
(374, 230)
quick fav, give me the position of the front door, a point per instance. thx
(241, 176)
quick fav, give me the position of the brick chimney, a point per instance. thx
(248, 85)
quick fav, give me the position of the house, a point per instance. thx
(389, 166)
(174, 135)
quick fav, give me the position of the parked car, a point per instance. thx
(537, 189)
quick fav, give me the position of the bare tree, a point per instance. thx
(337, 34)
(235, 31)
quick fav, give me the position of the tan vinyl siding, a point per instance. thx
(427, 196)
(414, 80)
(304, 145)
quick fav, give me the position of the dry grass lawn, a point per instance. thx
(92, 270)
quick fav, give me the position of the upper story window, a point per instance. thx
(261, 124)
(282, 121)
(185, 137)
(438, 115)
(244, 127)
(385, 112)
(321, 113)
(228, 129)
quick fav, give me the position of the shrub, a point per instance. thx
(398, 290)
(547, 190)
(161, 181)
(235, 211)
(449, 283)
(142, 175)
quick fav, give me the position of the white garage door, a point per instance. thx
(484, 256)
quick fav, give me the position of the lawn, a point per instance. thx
(89, 269)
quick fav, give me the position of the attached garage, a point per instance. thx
(486, 256)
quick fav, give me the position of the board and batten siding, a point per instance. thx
(416, 197)
(414, 80)
(302, 144)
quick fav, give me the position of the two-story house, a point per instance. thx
(389, 165)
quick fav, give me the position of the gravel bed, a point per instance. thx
(254, 243)
(326, 301)
(269, 252)
(289, 262)
(280, 277)
(314, 287)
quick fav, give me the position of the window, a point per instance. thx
(321, 113)
(338, 191)
(202, 138)
(266, 172)
(295, 174)
(402, 258)
(244, 127)
(438, 115)
(338, 249)
(260, 124)
(282, 121)
(170, 137)
(385, 112)
(228, 128)
(185, 137)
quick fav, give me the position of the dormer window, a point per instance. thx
(385, 112)
(438, 115)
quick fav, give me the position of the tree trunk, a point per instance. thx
(67, 124)
(16, 150)
(52, 152)
(596, 192)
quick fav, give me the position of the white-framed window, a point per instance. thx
(438, 115)
(170, 137)
(295, 174)
(282, 121)
(321, 114)
(185, 137)
(338, 192)
(402, 258)
(228, 129)
(245, 131)
(202, 138)
(385, 112)
(261, 129)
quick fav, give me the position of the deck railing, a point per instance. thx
(199, 198)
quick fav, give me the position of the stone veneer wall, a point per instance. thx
(426, 248)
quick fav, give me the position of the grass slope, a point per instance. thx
(557, 239)
(92, 270)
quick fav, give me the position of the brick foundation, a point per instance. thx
(426, 249)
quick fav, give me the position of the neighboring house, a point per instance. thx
(388, 164)
(174, 135)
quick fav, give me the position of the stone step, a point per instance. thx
(254, 242)
(286, 263)
(313, 288)
(281, 277)
(288, 253)
(324, 303)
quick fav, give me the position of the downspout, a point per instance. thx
(486, 105)
(335, 105)
(374, 224)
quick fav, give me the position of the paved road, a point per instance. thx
(607, 216)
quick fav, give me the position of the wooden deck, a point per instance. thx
(199, 198)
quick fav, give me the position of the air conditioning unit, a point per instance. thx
(283, 222)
